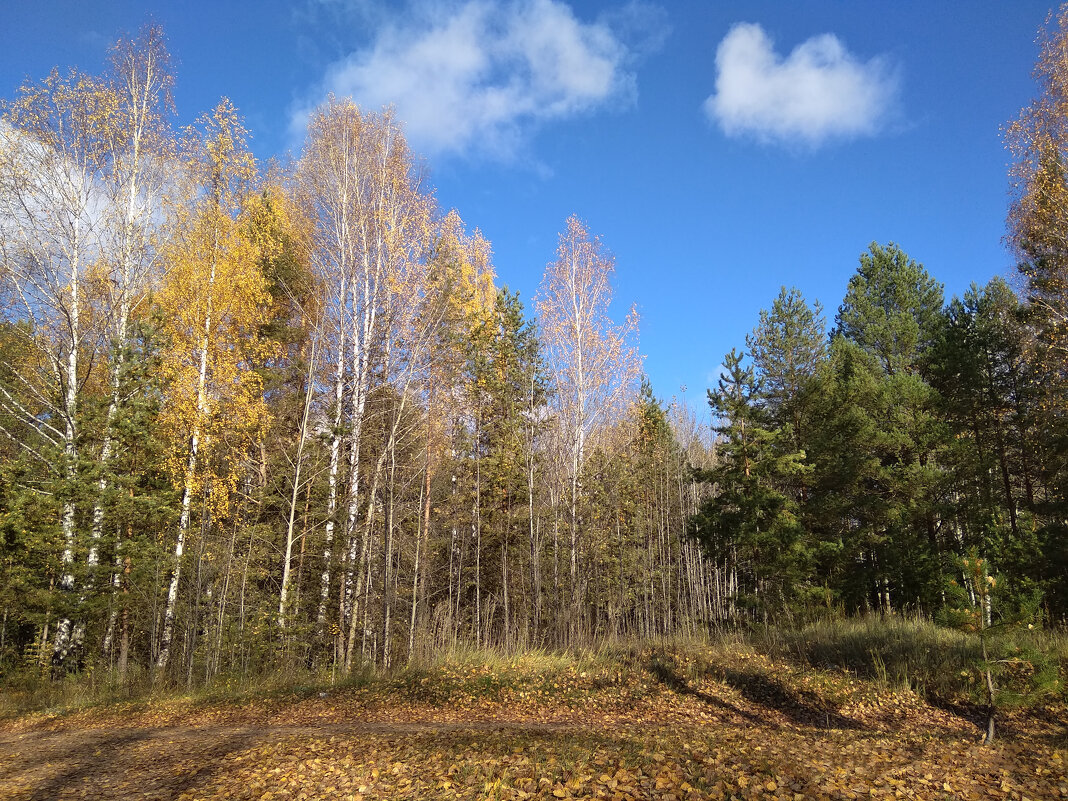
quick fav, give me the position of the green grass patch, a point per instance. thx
(914, 652)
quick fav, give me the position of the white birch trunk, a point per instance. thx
(63, 641)
(190, 473)
(291, 523)
(335, 461)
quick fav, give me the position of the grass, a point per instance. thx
(889, 652)
(831, 710)
(914, 652)
(892, 650)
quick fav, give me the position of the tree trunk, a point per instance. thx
(124, 636)
(190, 469)
(335, 461)
(63, 641)
(420, 535)
(291, 524)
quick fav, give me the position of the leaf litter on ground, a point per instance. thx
(659, 723)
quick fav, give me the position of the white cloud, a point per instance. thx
(819, 92)
(474, 76)
(712, 378)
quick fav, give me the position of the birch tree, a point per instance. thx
(215, 300)
(370, 224)
(53, 151)
(1038, 214)
(140, 150)
(460, 299)
(594, 362)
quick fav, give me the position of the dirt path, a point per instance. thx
(747, 733)
(357, 760)
(163, 762)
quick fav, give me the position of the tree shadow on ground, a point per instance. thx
(667, 675)
(803, 707)
(163, 763)
(1043, 724)
(965, 711)
(112, 764)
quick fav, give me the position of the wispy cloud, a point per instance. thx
(817, 93)
(475, 77)
(712, 378)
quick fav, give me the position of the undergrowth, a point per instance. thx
(888, 652)
(913, 652)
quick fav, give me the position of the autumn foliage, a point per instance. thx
(281, 425)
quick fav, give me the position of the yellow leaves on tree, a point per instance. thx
(462, 298)
(214, 298)
(463, 269)
(72, 117)
(1038, 216)
(54, 146)
(594, 361)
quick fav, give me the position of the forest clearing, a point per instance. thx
(681, 720)
(299, 499)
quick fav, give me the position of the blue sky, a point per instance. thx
(721, 149)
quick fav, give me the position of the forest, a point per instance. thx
(268, 417)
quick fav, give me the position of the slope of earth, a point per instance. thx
(656, 724)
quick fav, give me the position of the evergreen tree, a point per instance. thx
(750, 517)
(983, 377)
(788, 346)
(892, 309)
(880, 488)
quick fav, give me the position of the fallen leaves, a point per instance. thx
(688, 730)
(522, 762)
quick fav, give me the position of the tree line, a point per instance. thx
(869, 466)
(259, 415)
(857, 469)
(282, 416)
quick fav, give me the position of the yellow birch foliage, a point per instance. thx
(464, 261)
(1038, 215)
(369, 224)
(70, 118)
(594, 362)
(214, 300)
(463, 298)
(54, 146)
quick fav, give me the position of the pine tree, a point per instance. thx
(984, 379)
(788, 347)
(880, 487)
(751, 519)
(892, 309)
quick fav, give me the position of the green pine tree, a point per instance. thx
(751, 517)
